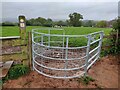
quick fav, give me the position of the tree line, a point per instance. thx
(75, 19)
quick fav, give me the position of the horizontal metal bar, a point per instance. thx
(54, 41)
(94, 49)
(95, 41)
(59, 76)
(93, 56)
(33, 30)
(96, 33)
(37, 37)
(68, 69)
(58, 58)
(58, 47)
(10, 37)
(58, 35)
(92, 63)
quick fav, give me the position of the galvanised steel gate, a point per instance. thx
(58, 55)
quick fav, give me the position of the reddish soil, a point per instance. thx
(105, 73)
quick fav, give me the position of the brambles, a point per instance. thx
(115, 33)
(114, 40)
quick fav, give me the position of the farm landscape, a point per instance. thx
(22, 74)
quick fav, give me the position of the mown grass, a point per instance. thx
(14, 30)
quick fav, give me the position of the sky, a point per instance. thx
(94, 10)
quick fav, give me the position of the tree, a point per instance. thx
(60, 23)
(41, 20)
(89, 23)
(48, 23)
(75, 19)
(101, 24)
(9, 24)
(33, 22)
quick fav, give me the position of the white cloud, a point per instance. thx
(61, 10)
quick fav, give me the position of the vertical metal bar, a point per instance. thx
(41, 39)
(49, 38)
(48, 41)
(66, 55)
(63, 46)
(63, 37)
(87, 53)
(100, 43)
(32, 50)
(37, 40)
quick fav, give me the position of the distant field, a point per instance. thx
(14, 30)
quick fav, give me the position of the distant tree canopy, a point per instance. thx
(61, 23)
(89, 23)
(48, 23)
(45, 22)
(9, 24)
(37, 21)
(101, 24)
(75, 19)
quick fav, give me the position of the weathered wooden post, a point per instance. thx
(22, 27)
(30, 49)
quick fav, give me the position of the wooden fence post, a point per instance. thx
(30, 49)
(22, 27)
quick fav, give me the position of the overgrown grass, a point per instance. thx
(16, 71)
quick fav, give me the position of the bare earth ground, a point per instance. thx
(105, 73)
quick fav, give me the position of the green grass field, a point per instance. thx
(14, 30)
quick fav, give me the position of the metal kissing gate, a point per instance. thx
(58, 55)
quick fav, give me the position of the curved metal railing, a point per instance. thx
(53, 56)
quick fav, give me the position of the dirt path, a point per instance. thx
(105, 73)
